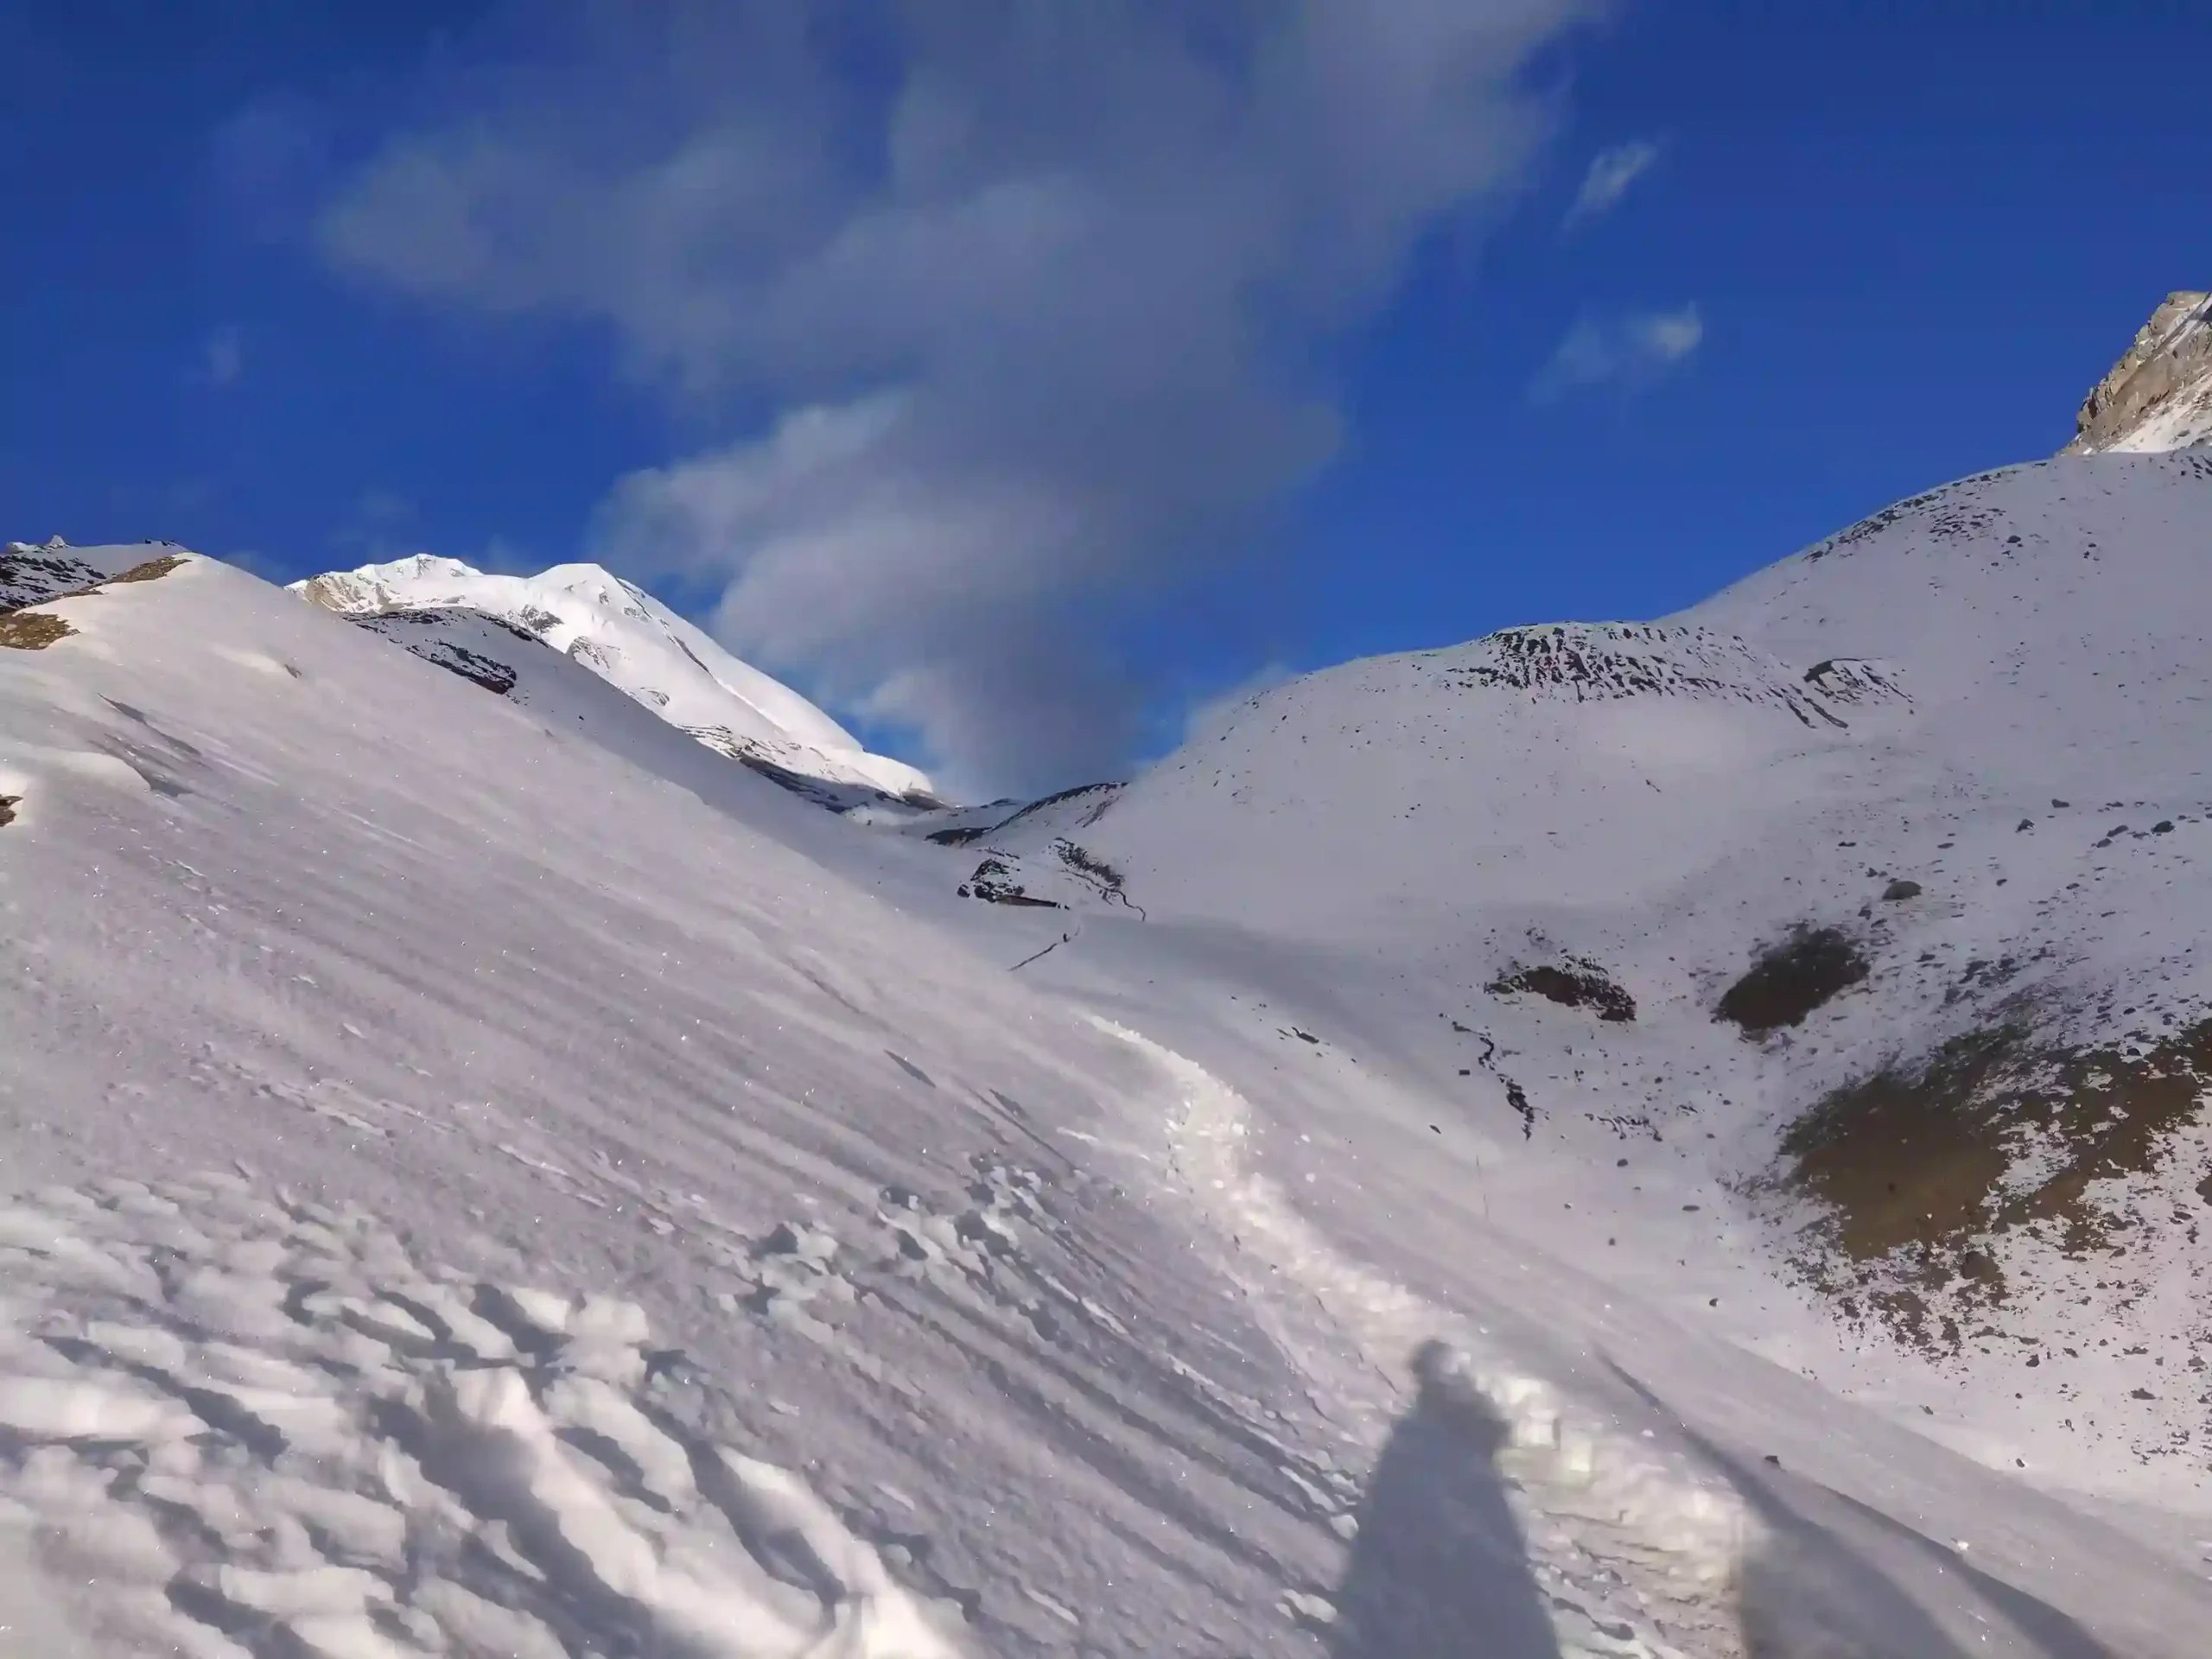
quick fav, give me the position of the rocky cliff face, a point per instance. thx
(2159, 397)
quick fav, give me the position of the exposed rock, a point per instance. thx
(1806, 970)
(995, 883)
(1607, 662)
(2159, 395)
(1578, 985)
(31, 575)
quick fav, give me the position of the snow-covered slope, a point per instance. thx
(1841, 942)
(632, 641)
(478, 1195)
(2159, 395)
(475, 1198)
(1683, 1140)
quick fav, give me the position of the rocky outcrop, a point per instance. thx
(2159, 397)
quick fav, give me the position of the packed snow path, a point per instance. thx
(1522, 1481)
(1625, 1553)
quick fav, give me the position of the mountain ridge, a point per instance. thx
(2159, 395)
(632, 641)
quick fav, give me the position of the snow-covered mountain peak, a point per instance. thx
(632, 641)
(2159, 395)
(378, 587)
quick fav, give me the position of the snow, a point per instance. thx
(493, 1176)
(478, 1004)
(631, 640)
(1907, 700)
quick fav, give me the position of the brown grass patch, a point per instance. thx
(32, 630)
(1916, 1170)
(151, 570)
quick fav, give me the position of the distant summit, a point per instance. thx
(441, 609)
(2159, 395)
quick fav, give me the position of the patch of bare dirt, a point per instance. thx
(151, 570)
(32, 630)
(1579, 985)
(1805, 970)
(1919, 1171)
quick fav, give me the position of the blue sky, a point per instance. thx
(1125, 383)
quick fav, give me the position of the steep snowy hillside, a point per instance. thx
(439, 609)
(2159, 395)
(476, 1195)
(1839, 942)
(475, 1198)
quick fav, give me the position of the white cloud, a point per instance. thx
(255, 562)
(1036, 294)
(1630, 350)
(223, 357)
(1611, 173)
(267, 162)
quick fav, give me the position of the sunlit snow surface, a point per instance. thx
(625, 637)
(478, 1194)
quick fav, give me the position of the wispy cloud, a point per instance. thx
(1611, 173)
(223, 357)
(384, 526)
(379, 528)
(1630, 350)
(1034, 290)
(253, 561)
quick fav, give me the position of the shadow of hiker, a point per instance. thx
(1805, 1593)
(1439, 1569)
(1813, 1592)
(1812, 1588)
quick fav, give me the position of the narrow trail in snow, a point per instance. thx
(1635, 1556)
